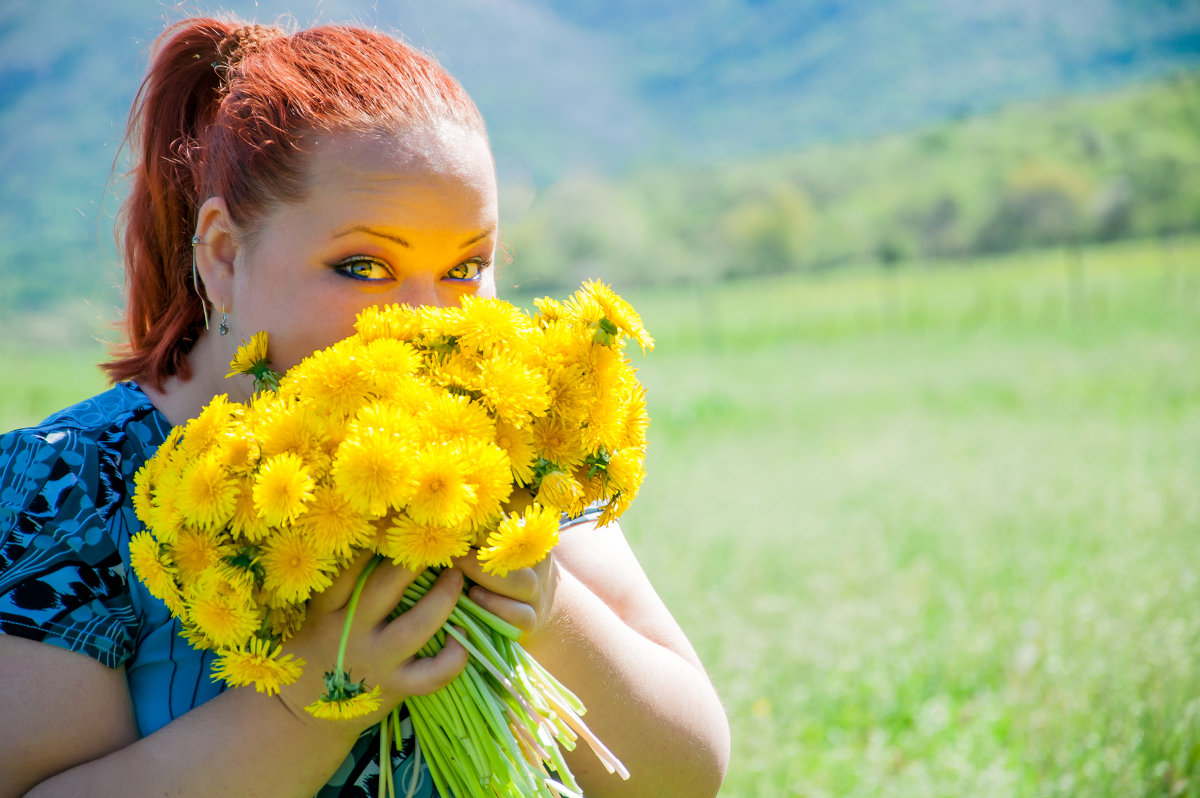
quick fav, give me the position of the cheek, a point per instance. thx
(300, 326)
(487, 288)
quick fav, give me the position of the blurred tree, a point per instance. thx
(1043, 205)
(1112, 210)
(768, 231)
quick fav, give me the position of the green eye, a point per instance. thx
(364, 269)
(467, 270)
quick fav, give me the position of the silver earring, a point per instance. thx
(223, 329)
(197, 241)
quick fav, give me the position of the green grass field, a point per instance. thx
(936, 532)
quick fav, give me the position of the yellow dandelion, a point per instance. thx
(619, 313)
(202, 432)
(408, 397)
(155, 571)
(281, 488)
(549, 310)
(251, 355)
(393, 419)
(558, 443)
(607, 371)
(195, 551)
(332, 430)
(514, 391)
(294, 567)
(286, 426)
(486, 324)
(207, 495)
(614, 509)
(568, 393)
(453, 417)
(517, 443)
(564, 345)
(346, 708)
(165, 518)
(637, 420)
(283, 622)
(441, 493)
(595, 486)
(560, 491)
(582, 308)
(605, 425)
(455, 372)
(167, 448)
(626, 471)
(489, 472)
(388, 360)
(372, 470)
(192, 634)
(388, 321)
(237, 450)
(418, 546)
(521, 541)
(260, 663)
(246, 521)
(333, 525)
(143, 496)
(338, 380)
(221, 610)
(439, 325)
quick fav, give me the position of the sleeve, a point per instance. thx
(590, 515)
(62, 578)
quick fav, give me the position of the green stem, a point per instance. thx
(358, 588)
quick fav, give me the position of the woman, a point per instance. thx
(283, 183)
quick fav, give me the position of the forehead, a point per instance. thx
(445, 168)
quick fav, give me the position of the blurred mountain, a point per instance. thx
(568, 85)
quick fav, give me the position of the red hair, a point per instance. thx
(224, 111)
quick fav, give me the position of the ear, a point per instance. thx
(216, 252)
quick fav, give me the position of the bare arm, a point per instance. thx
(69, 729)
(608, 636)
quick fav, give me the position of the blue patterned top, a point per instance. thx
(66, 517)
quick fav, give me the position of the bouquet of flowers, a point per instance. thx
(428, 434)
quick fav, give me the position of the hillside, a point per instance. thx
(611, 88)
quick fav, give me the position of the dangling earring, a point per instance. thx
(197, 241)
(223, 329)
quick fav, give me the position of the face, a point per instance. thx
(386, 219)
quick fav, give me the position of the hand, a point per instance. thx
(523, 597)
(379, 651)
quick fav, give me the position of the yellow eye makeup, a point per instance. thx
(362, 268)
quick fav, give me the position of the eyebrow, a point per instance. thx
(369, 231)
(479, 237)
(402, 242)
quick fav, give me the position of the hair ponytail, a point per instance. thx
(179, 98)
(223, 111)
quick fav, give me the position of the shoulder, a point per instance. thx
(84, 443)
(64, 518)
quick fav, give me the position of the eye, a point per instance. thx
(468, 269)
(363, 268)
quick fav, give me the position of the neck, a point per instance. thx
(182, 400)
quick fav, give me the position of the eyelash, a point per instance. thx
(344, 268)
(480, 264)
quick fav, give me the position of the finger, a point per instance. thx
(337, 595)
(519, 613)
(521, 584)
(383, 590)
(405, 635)
(425, 675)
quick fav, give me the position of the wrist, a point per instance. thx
(337, 733)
